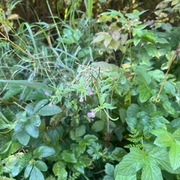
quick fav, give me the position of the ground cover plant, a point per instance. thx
(90, 94)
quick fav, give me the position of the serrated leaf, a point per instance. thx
(164, 138)
(32, 130)
(120, 177)
(36, 174)
(43, 151)
(174, 155)
(98, 126)
(41, 165)
(49, 110)
(131, 163)
(151, 170)
(176, 134)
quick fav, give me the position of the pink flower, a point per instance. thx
(46, 93)
(90, 92)
(91, 114)
(81, 99)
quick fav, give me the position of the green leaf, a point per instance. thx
(5, 147)
(164, 138)
(36, 174)
(174, 155)
(80, 131)
(60, 171)
(143, 76)
(23, 137)
(176, 134)
(43, 151)
(120, 177)
(28, 170)
(144, 92)
(49, 110)
(32, 130)
(30, 84)
(151, 170)
(40, 104)
(133, 110)
(41, 165)
(98, 125)
(13, 90)
(131, 163)
(168, 107)
(109, 169)
(69, 156)
(169, 88)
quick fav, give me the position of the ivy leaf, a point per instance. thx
(43, 151)
(36, 174)
(174, 155)
(49, 110)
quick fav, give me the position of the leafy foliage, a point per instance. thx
(90, 96)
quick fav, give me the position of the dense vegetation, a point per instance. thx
(90, 90)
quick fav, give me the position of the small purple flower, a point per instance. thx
(91, 114)
(46, 93)
(81, 99)
(90, 92)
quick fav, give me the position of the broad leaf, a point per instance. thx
(60, 171)
(174, 155)
(151, 170)
(28, 170)
(23, 137)
(49, 110)
(69, 156)
(131, 163)
(121, 177)
(43, 151)
(32, 130)
(164, 138)
(36, 174)
(109, 169)
(98, 126)
(41, 165)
